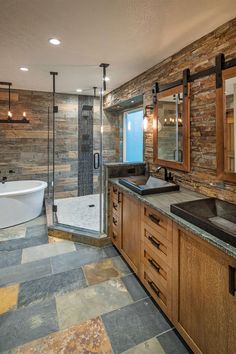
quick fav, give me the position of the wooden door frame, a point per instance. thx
(220, 127)
(185, 165)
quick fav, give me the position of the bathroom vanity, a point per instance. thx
(190, 273)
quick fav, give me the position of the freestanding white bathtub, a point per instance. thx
(20, 201)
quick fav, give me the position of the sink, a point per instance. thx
(212, 215)
(148, 185)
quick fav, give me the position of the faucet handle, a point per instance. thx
(170, 177)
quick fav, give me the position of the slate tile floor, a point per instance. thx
(61, 297)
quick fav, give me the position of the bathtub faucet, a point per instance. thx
(4, 179)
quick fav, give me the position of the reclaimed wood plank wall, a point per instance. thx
(24, 147)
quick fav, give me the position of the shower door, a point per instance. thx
(77, 168)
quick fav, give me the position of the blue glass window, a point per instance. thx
(133, 136)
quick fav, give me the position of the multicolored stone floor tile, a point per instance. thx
(46, 287)
(134, 324)
(25, 324)
(76, 299)
(10, 258)
(167, 343)
(84, 304)
(8, 298)
(88, 337)
(52, 239)
(104, 270)
(12, 233)
(45, 251)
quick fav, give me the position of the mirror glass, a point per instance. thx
(170, 127)
(230, 124)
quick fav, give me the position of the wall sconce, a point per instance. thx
(148, 110)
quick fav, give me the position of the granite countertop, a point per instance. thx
(161, 202)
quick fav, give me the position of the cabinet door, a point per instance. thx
(130, 240)
(204, 309)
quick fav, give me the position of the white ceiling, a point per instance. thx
(131, 35)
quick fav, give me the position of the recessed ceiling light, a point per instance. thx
(79, 90)
(54, 41)
(106, 78)
(23, 68)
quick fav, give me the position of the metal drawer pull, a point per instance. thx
(114, 221)
(154, 219)
(154, 242)
(119, 197)
(232, 272)
(154, 265)
(115, 206)
(154, 287)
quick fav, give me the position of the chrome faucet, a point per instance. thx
(167, 176)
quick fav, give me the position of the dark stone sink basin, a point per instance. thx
(212, 215)
(148, 185)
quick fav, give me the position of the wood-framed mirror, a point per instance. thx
(226, 125)
(171, 128)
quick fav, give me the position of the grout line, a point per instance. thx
(100, 316)
(168, 330)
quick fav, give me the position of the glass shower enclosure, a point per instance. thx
(77, 159)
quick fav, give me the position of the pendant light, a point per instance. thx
(9, 114)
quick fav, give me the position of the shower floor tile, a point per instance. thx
(82, 212)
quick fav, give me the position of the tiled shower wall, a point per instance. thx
(197, 56)
(24, 147)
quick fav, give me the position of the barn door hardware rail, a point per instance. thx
(9, 119)
(221, 64)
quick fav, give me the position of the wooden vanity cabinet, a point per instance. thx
(124, 228)
(130, 240)
(204, 297)
(156, 257)
(193, 282)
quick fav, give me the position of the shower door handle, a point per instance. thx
(96, 160)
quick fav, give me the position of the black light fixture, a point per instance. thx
(104, 66)
(9, 114)
(94, 91)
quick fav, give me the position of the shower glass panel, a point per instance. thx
(77, 135)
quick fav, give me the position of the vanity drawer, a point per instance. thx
(115, 237)
(116, 195)
(157, 243)
(157, 267)
(159, 294)
(115, 232)
(157, 221)
(116, 207)
(115, 219)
